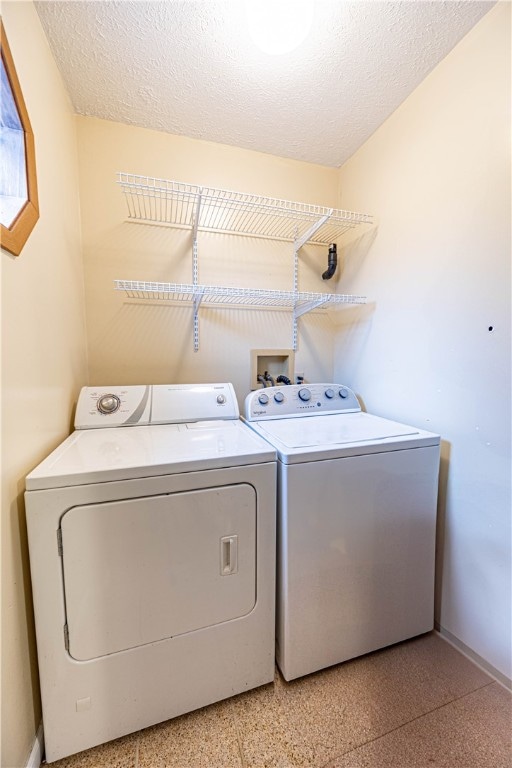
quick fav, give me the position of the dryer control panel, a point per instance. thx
(295, 400)
(114, 406)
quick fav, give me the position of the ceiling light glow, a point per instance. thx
(279, 26)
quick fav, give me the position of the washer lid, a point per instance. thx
(105, 455)
(335, 435)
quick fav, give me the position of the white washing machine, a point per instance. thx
(152, 552)
(356, 510)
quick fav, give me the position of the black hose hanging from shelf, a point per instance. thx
(332, 262)
(282, 379)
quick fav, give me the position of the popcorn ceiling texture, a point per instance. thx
(189, 67)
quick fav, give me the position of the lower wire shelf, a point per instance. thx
(300, 302)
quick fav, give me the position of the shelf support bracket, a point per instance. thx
(295, 264)
(294, 334)
(297, 245)
(300, 310)
(198, 297)
(195, 270)
(311, 231)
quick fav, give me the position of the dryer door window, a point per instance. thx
(143, 570)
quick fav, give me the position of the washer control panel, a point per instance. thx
(115, 406)
(287, 402)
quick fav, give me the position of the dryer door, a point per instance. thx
(142, 570)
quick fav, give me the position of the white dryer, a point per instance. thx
(152, 552)
(356, 509)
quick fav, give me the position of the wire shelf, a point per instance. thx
(206, 208)
(190, 206)
(214, 294)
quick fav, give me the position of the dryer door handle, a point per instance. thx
(228, 555)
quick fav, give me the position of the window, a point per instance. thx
(19, 208)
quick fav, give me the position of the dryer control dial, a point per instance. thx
(305, 394)
(108, 404)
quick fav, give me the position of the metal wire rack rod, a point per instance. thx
(237, 217)
(300, 302)
(174, 203)
(308, 306)
(330, 232)
(145, 184)
(138, 189)
(250, 219)
(308, 234)
(227, 295)
(197, 301)
(161, 187)
(195, 265)
(262, 206)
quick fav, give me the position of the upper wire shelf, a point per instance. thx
(188, 205)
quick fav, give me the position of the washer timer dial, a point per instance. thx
(304, 394)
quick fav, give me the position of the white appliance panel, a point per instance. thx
(118, 406)
(356, 540)
(298, 401)
(333, 430)
(325, 426)
(186, 403)
(86, 703)
(132, 406)
(152, 553)
(356, 524)
(139, 571)
(105, 455)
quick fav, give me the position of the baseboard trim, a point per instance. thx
(474, 657)
(36, 756)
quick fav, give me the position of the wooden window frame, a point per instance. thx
(14, 237)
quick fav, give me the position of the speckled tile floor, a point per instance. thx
(419, 704)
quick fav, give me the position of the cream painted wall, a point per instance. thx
(433, 346)
(43, 357)
(132, 342)
(438, 269)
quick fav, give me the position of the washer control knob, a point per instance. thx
(343, 392)
(108, 404)
(221, 399)
(263, 399)
(304, 394)
(279, 397)
(329, 393)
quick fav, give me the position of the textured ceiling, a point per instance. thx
(189, 67)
